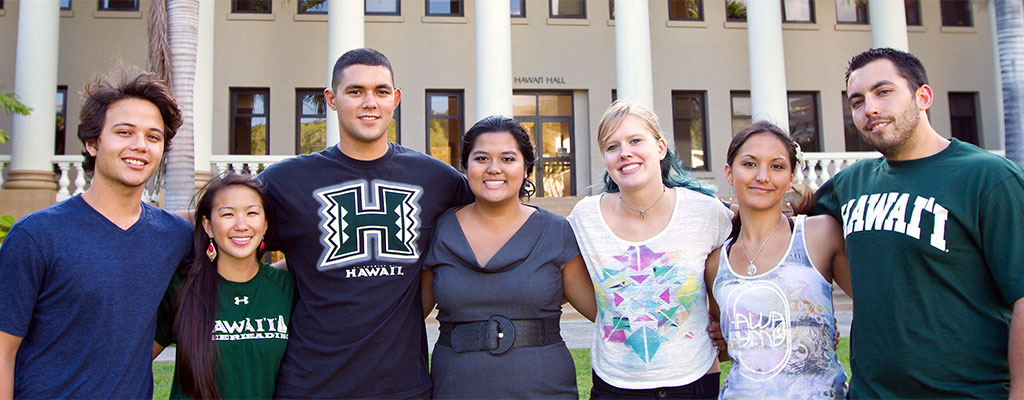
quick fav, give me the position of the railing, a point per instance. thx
(821, 166)
(243, 164)
(71, 178)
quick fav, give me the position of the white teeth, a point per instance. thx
(241, 240)
(134, 162)
(493, 183)
(630, 167)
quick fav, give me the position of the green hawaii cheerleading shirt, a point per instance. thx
(250, 331)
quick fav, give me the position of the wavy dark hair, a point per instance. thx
(498, 123)
(672, 172)
(120, 84)
(196, 303)
(807, 199)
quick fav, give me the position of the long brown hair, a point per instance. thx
(196, 303)
(807, 199)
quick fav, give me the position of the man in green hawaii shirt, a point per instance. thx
(935, 238)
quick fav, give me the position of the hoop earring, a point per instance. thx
(211, 252)
(529, 189)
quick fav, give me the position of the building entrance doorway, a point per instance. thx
(548, 118)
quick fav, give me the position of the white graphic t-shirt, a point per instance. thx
(651, 327)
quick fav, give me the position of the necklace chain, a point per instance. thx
(751, 268)
(643, 213)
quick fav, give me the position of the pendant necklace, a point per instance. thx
(643, 213)
(751, 268)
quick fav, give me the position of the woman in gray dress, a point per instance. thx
(500, 271)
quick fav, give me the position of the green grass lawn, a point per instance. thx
(163, 371)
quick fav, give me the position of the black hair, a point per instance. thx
(120, 84)
(363, 56)
(498, 123)
(909, 66)
(196, 302)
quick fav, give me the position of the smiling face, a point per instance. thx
(237, 223)
(495, 169)
(632, 154)
(365, 100)
(760, 174)
(887, 113)
(130, 146)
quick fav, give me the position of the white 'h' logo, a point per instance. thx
(241, 300)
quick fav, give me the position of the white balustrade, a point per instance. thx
(243, 164)
(4, 160)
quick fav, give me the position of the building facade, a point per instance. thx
(270, 69)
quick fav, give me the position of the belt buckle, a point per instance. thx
(503, 335)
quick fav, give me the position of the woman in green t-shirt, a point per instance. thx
(245, 303)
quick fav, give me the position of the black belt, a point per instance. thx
(498, 334)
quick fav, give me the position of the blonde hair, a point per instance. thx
(618, 111)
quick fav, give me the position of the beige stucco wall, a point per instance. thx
(285, 51)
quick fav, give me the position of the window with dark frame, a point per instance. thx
(736, 10)
(382, 7)
(444, 8)
(913, 11)
(963, 117)
(252, 6)
(854, 142)
(956, 13)
(118, 5)
(1, 4)
(312, 6)
(569, 9)
(689, 131)
(799, 11)
(310, 121)
(517, 8)
(686, 10)
(852, 12)
(60, 134)
(395, 127)
(64, 4)
(445, 126)
(804, 125)
(250, 121)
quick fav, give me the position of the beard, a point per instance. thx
(901, 127)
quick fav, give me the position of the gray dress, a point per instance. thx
(523, 280)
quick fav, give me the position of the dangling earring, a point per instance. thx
(263, 245)
(211, 252)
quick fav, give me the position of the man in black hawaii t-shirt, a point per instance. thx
(353, 221)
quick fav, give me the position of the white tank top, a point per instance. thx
(779, 326)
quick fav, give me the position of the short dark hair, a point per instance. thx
(498, 123)
(907, 64)
(120, 84)
(364, 56)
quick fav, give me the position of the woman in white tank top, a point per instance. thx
(773, 278)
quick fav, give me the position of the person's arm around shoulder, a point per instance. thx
(427, 291)
(9, 345)
(1016, 351)
(578, 288)
(714, 312)
(827, 248)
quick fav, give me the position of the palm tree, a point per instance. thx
(11, 105)
(174, 28)
(1010, 38)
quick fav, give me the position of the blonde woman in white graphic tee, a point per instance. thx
(645, 242)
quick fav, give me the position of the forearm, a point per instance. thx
(8, 354)
(1016, 352)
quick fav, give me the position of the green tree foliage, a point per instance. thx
(6, 222)
(11, 106)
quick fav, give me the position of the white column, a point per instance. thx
(202, 103)
(888, 24)
(35, 84)
(344, 33)
(633, 73)
(767, 63)
(493, 29)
